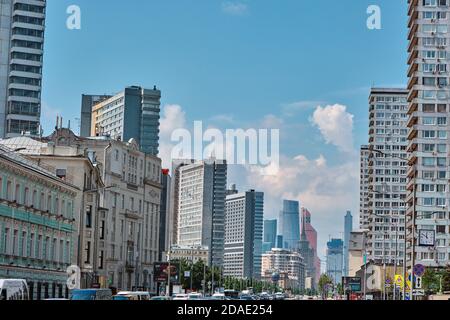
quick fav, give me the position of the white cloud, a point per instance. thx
(335, 125)
(173, 118)
(328, 191)
(271, 121)
(291, 109)
(234, 8)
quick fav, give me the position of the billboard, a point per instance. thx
(352, 284)
(161, 271)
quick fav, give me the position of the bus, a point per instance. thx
(13, 289)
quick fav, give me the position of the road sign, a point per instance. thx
(419, 293)
(419, 270)
(187, 274)
(399, 280)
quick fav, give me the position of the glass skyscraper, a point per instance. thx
(290, 224)
(270, 235)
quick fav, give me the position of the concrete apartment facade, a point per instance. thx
(387, 175)
(428, 220)
(364, 187)
(21, 59)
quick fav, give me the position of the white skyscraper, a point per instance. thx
(21, 53)
(428, 137)
(387, 174)
(200, 195)
(244, 234)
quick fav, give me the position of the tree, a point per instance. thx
(430, 281)
(324, 283)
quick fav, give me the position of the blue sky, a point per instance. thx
(244, 61)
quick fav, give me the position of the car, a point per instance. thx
(218, 296)
(195, 296)
(180, 296)
(160, 298)
(135, 295)
(246, 297)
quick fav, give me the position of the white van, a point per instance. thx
(13, 289)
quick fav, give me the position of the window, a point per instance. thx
(440, 229)
(87, 252)
(89, 217)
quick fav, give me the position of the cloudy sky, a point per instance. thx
(305, 67)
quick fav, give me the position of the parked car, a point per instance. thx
(195, 296)
(181, 296)
(135, 295)
(160, 298)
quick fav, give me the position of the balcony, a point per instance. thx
(413, 30)
(412, 17)
(413, 107)
(412, 134)
(412, 121)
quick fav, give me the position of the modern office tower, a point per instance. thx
(201, 189)
(387, 175)
(364, 187)
(87, 102)
(279, 242)
(243, 235)
(311, 236)
(428, 219)
(348, 228)
(21, 55)
(270, 235)
(164, 218)
(283, 261)
(290, 224)
(174, 198)
(335, 259)
(131, 114)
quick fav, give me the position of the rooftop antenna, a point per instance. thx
(68, 124)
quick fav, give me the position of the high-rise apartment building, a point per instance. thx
(364, 187)
(200, 195)
(290, 224)
(428, 220)
(387, 175)
(131, 114)
(244, 235)
(21, 56)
